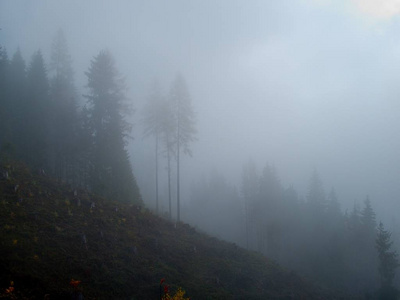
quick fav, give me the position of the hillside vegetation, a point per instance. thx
(51, 234)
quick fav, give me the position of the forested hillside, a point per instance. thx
(43, 125)
(57, 241)
(312, 236)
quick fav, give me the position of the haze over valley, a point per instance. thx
(289, 107)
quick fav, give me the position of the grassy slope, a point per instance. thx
(44, 226)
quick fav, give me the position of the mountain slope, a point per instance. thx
(50, 234)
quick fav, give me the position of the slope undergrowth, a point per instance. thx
(51, 233)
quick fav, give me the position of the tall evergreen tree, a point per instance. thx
(4, 98)
(38, 104)
(60, 60)
(333, 205)
(18, 100)
(316, 195)
(365, 254)
(250, 190)
(388, 262)
(368, 221)
(154, 115)
(268, 213)
(84, 149)
(112, 173)
(185, 125)
(353, 220)
(169, 142)
(64, 117)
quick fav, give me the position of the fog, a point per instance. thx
(300, 85)
(286, 94)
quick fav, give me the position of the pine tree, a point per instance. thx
(17, 103)
(154, 115)
(184, 119)
(5, 115)
(169, 141)
(250, 190)
(353, 220)
(268, 213)
(316, 195)
(112, 173)
(388, 259)
(35, 149)
(64, 119)
(333, 206)
(368, 222)
(85, 148)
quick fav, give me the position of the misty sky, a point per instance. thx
(299, 84)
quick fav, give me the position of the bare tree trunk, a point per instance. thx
(169, 182)
(177, 185)
(157, 173)
(246, 222)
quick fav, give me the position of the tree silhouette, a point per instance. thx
(154, 121)
(4, 99)
(18, 102)
(388, 259)
(111, 173)
(184, 119)
(250, 189)
(37, 125)
(64, 117)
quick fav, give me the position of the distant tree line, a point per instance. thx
(345, 251)
(42, 124)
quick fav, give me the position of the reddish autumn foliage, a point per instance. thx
(74, 283)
